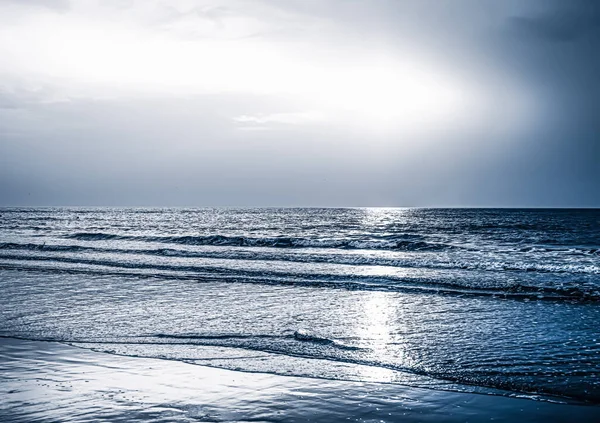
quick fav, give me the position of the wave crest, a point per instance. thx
(384, 243)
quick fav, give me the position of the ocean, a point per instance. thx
(495, 301)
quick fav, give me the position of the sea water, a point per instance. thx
(496, 301)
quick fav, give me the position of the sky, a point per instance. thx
(424, 103)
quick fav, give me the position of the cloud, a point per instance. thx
(368, 93)
(59, 5)
(295, 118)
(20, 94)
(554, 28)
(562, 24)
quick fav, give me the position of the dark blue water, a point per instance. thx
(497, 301)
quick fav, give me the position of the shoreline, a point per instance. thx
(50, 381)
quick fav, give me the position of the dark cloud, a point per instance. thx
(557, 26)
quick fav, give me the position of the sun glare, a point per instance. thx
(392, 95)
(377, 92)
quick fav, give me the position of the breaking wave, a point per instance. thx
(383, 243)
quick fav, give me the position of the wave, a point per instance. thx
(44, 247)
(382, 243)
(193, 336)
(300, 335)
(95, 236)
(419, 262)
(572, 293)
(398, 242)
(305, 336)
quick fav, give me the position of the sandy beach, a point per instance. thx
(47, 381)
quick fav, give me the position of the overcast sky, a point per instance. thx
(300, 103)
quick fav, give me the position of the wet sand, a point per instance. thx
(46, 381)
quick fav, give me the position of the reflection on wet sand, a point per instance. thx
(44, 381)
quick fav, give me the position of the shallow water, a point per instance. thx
(49, 382)
(498, 301)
